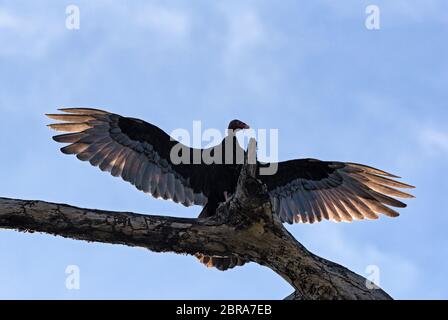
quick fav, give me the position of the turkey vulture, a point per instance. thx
(301, 191)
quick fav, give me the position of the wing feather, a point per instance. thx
(137, 151)
(312, 190)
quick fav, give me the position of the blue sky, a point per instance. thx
(335, 91)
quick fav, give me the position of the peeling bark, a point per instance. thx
(244, 226)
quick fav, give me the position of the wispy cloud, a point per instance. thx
(9, 21)
(28, 36)
(164, 21)
(434, 141)
(416, 10)
(247, 40)
(396, 12)
(245, 33)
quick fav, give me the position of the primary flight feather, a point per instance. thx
(301, 190)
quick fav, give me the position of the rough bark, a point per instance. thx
(244, 226)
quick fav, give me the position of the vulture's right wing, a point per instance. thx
(137, 151)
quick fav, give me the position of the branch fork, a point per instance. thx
(244, 226)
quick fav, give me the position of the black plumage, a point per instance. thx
(302, 190)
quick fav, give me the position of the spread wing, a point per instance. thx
(309, 190)
(135, 150)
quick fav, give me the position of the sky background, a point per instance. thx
(333, 88)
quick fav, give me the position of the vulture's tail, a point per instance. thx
(220, 263)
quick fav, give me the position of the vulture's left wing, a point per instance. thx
(309, 190)
(137, 151)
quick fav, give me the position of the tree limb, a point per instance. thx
(244, 226)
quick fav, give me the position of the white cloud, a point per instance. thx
(434, 141)
(246, 32)
(416, 10)
(27, 35)
(247, 40)
(33, 35)
(9, 21)
(165, 21)
(395, 12)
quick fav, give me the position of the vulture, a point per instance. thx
(301, 190)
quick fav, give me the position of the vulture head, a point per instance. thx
(236, 125)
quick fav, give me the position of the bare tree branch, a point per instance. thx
(244, 226)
